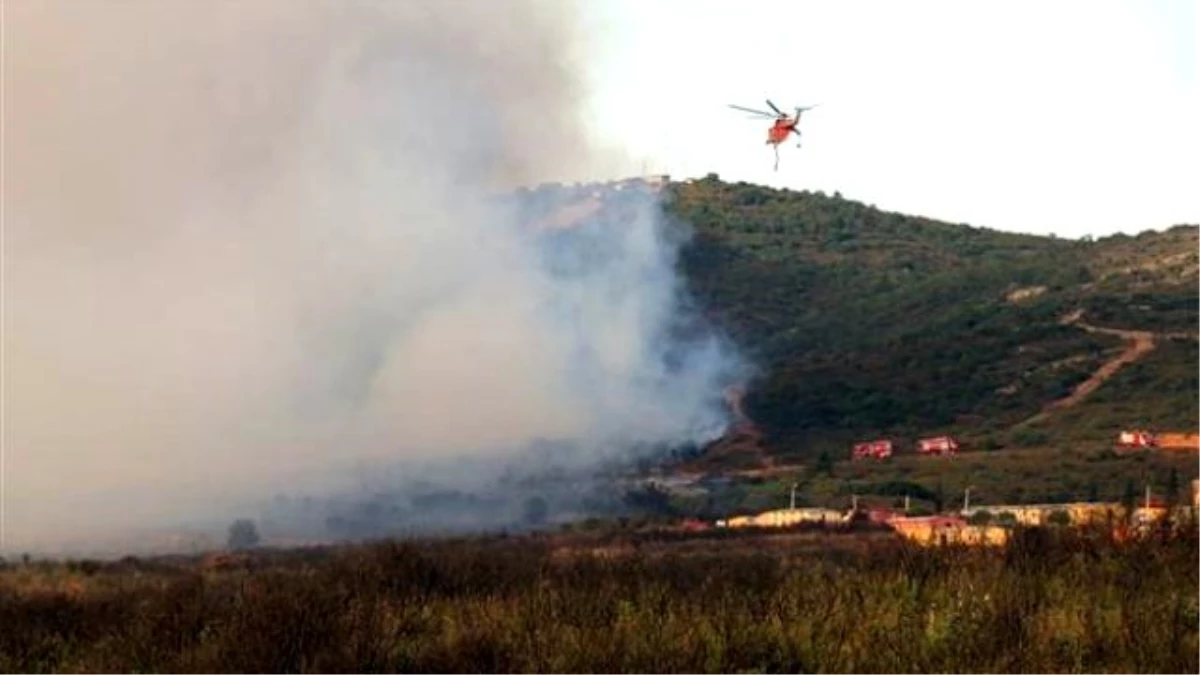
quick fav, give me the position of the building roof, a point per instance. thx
(927, 521)
(997, 508)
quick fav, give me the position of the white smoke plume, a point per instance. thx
(251, 246)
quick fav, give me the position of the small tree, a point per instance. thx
(939, 497)
(1129, 497)
(824, 464)
(981, 517)
(243, 534)
(649, 499)
(1028, 438)
(1006, 518)
(1059, 517)
(536, 510)
(1173, 487)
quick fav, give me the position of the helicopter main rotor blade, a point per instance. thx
(751, 110)
(777, 110)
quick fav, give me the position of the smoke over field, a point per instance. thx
(256, 248)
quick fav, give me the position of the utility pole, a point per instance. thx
(906, 502)
(967, 499)
(793, 503)
(854, 502)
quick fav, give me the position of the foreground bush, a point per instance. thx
(1050, 603)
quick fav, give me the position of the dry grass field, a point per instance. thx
(1053, 601)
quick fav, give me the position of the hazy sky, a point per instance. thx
(1073, 117)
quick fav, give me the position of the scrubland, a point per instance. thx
(1053, 601)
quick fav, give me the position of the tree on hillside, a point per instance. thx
(650, 499)
(981, 517)
(824, 464)
(1173, 487)
(1129, 497)
(1059, 517)
(243, 534)
(536, 510)
(939, 496)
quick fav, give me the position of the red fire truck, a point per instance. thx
(873, 450)
(940, 445)
(1135, 439)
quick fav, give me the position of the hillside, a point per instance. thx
(860, 323)
(865, 323)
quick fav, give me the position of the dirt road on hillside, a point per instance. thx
(1140, 343)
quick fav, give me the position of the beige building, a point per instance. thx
(944, 530)
(1040, 514)
(786, 518)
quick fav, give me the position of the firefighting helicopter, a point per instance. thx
(784, 124)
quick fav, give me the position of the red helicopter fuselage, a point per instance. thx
(779, 131)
